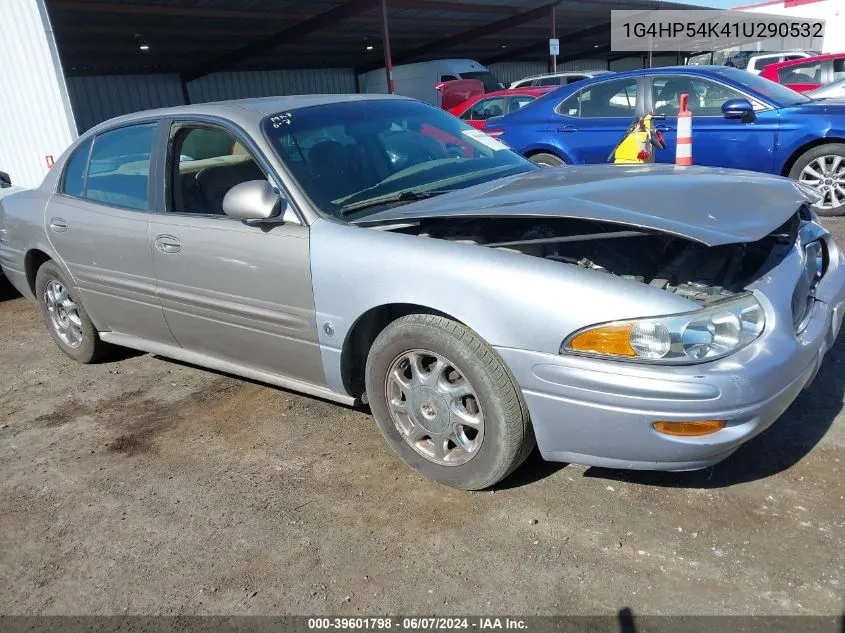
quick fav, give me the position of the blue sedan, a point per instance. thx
(740, 120)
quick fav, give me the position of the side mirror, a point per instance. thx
(253, 200)
(5, 180)
(738, 109)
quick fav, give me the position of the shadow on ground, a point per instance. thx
(7, 290)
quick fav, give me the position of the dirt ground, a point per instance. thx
(146, 486)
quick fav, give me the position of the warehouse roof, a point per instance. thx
(195, 37)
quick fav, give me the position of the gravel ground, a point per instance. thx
(147, 486)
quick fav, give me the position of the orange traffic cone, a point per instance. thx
(683, 149)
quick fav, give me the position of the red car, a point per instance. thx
(809, 73)
(479, 108)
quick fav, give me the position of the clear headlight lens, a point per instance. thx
(692, 337)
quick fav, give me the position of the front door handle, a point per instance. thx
(567, 128)
(663, 128)
(168, 244)
(58, 225)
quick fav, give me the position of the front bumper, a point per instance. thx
(600, 413)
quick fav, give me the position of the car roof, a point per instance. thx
(525, 90)
(805, 60)
(567, 73)
(254, 109)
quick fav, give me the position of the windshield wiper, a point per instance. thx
(403, 196)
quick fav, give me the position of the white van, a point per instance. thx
(420, 80)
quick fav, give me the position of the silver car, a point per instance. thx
(373, 249)
(835, 90)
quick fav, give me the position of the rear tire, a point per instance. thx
(446, 402)
(544, 159)
(65, 317)
(820, 161)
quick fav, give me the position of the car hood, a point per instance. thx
(711, 206)
(835, 106)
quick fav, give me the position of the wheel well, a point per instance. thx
(32, 262)
(360, 339)
(806, 147)
(534, 152)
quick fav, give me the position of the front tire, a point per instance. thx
(446, 402)
(544, 159)
(823, 168)
(65, 318)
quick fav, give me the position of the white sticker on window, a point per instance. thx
(486, 140)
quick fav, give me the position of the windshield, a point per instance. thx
(772, 91)
(357, 157)
(490, 81)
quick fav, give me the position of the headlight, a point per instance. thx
(692, 337)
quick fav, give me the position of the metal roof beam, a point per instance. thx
(466, 36)
(283, 37)
(565, 41)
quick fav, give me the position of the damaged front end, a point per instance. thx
(679, 265)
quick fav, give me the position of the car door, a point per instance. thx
(592, 121)
(98, 224)
(716, 141)
(231, 290)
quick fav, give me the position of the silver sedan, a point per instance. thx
(370, 249)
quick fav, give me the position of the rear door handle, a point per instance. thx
(567, 128)
(58, 225)
(168, 244)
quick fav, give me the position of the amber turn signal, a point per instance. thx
(611, 339)
(700, 427)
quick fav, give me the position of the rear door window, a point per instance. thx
(486, 108)
(119, 169)
(73, 183)
(617, 98)
(520, 101)
(808, 73)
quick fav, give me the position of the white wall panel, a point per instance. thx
(36, 119)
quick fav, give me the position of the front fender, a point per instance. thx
(509, 299)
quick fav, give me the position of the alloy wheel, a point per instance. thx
(64, 315)
(826, 175)
(434, 407)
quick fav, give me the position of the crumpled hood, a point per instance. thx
(711, 206)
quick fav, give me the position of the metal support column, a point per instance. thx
(552, 58)
(385, 38)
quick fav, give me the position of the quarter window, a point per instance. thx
(617, 98)
(705, 97)
(838, 69)
(119, 169)
(206, 163)
(74, 178)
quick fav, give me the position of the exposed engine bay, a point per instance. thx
(703, 274)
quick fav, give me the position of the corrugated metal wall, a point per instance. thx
(35, 115)
(98, 98)
(241, 85)
(509, 72)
